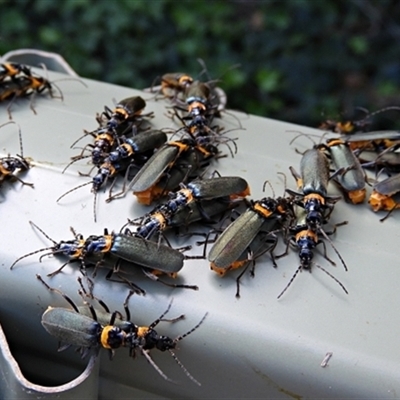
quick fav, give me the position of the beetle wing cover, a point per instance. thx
(147, 254)
(71, 327)
(151, 172)
(235, 239)
(218, 187)
(389, 186)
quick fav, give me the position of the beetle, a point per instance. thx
(382, 196)
(159, 218)
(376, 140)
(71, 248)
(237, 238)
(127, 111)
(306, 239)
(264, 241)
(10, 164)
(172, 84)
(202, 189)
(386, 160)
(313, 181)
(104, 141)
(198, 110)
(9, 88)
(153, 258)
(12, 70)
(28, 85)
(172, 154)
(137, 250)
(351, 127)
(202, 210)
(348, 172)
(132, 152)
(106, 171)
(148, 339)
(75, 327)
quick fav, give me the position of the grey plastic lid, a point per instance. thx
(52, 61)
(252, 347)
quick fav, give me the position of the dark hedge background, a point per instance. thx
(301, 60)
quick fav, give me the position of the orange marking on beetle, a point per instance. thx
(281, 209)
(11, 70)
(147, 196)
(235, 265)
(121, 111)
(389, 143)
(161, 219)
(371, 144)
(185, 80)
(181, 148)
(346, 127)
(261, 210)
(306, 233)
(78, 252)
(240, 195)
(188, 194)
(110, 167)
(315, 196)
(203, 150)
(36, 83)
(128, 148)
(105, 136)
(197, 104)
(357, 196)
(7, 93)
(338, 127)
(299, 183)
(382, 202)
(4, 171)
(104, 336)
(175, 81)
(108, 244)
(335, 142)
(361, 144)
(220, 271)
(157, 272)
(142, 331)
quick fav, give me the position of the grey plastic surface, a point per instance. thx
(13, 384)
(252, 347)
(52, 61)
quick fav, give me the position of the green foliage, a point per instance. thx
(301, 60)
